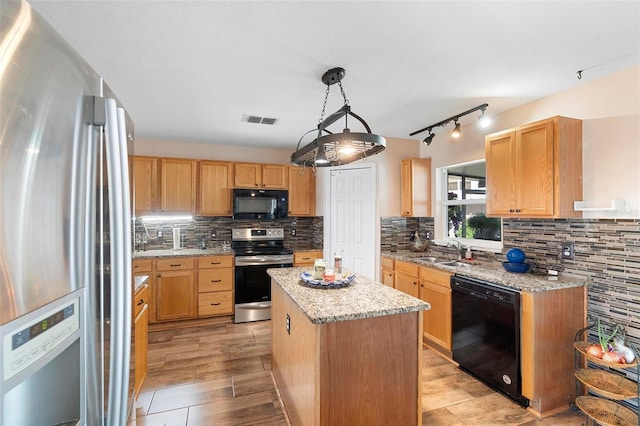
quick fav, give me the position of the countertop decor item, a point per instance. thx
(516, 267)
(516, 255)
(331, 148)
(308, 279)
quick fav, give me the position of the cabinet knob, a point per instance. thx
(517, 210)
(140, 302)
(511, 211)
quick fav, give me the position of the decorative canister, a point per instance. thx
(319, 266)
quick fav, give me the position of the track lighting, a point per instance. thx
(429, 138)
(456, 131)
(334, 149)
(483, 120)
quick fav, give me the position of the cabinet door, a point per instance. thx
(437, 320)
(302, 191)
(387, 278)
(247, 175)
(501, 174)
(416, 187)
(535, 165)
(407, 284)
(178, 185)
(274, 176)
(145, 182)
(175, 295)
(141, 342)
(214, 189)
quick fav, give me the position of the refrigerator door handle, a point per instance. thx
(120, 238)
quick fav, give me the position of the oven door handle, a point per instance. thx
(258, 262)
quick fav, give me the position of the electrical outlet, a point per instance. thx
(214, 233)
(288, 324)
(567, 251)
(159, 234)
(293, 232)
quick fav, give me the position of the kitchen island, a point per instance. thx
(348, 355)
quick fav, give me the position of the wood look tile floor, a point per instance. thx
(220, 375)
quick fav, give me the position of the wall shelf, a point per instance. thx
(616, 205)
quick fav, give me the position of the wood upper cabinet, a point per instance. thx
(535, 170)
(145, 184)
(302, 191)
(175, 289)
(214, 188)
(256, 175)
(435, 289)
(416, 187)
(178, 185)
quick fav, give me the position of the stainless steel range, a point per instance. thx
(256, 250)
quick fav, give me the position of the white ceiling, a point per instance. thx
(189, 70)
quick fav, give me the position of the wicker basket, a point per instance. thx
(607, 384)
(582, 347)
(606, 412)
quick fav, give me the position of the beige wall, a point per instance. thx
(610, 110)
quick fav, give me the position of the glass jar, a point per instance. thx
(319, 266)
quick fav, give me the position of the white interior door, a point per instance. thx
(352, 218)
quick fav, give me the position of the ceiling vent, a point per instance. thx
(259, 120)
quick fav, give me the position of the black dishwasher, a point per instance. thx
(486, 333)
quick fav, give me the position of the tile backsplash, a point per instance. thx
(308, 231)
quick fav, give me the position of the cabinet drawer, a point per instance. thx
(306, 257)
(407, 268)
(435, 276)
(215, 303)
(215, 280)
(207, 262)
(387, 263)
(175, 264)
(140, 299)
(142, 265)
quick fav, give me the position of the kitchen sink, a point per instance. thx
(454, 263)
(430, 259)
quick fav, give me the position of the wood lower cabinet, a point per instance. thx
(535, 170)
(215, 184)
(215, 285)
(177, 185)
(407, 278)
(306, 258)
(141, 336)
(147, 267)
(302, 191)
(175, 289)
(548, 326)
(415, 189)
(435, 289)
(387, 273)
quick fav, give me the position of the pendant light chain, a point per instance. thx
(344, 96)
(324, 105)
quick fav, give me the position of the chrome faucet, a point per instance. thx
(458, 246)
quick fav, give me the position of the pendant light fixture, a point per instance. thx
(334, 149)
(483, 120)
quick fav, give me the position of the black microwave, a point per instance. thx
(260, 203)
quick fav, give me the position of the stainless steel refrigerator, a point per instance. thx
(65, 233)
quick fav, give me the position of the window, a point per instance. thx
(463, 199)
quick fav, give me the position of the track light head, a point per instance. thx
(484, 120)
(429, 138)
(456, 131)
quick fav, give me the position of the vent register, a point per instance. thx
(259, 120)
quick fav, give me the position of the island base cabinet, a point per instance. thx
(354, 372)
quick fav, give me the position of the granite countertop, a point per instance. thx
(495, 272)
(364, 298)
(185, 252)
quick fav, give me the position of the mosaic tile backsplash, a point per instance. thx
(308, 231)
